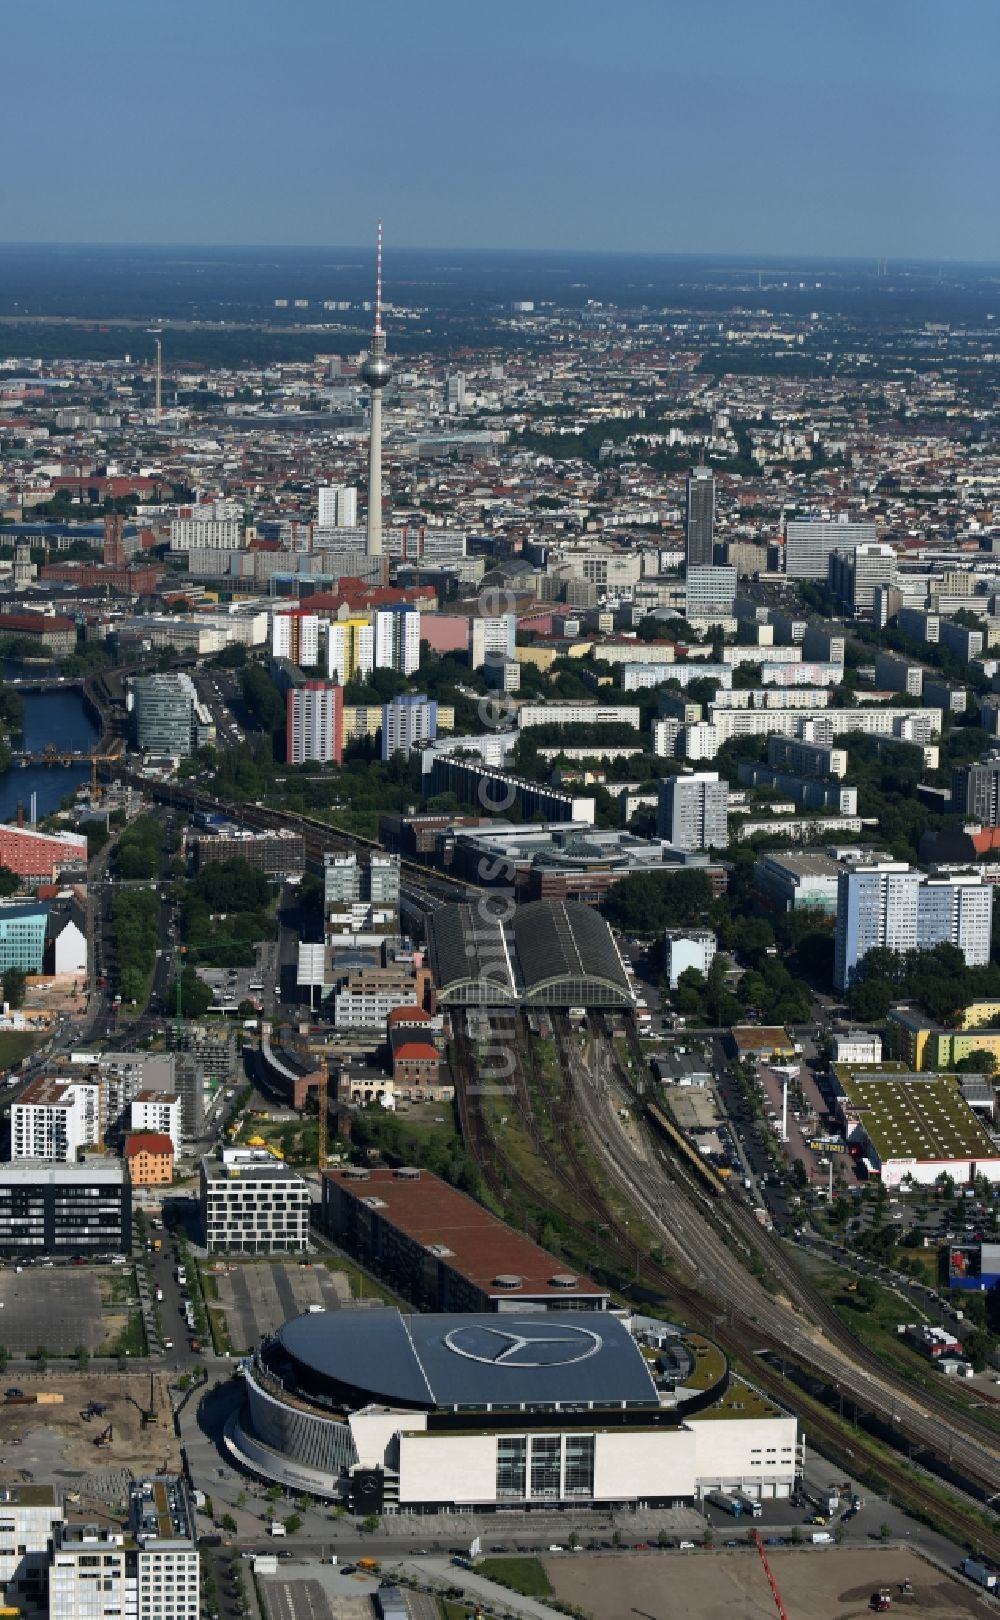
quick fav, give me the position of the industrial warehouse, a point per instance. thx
(416, 1414)
(549, 954)
(917, 1126)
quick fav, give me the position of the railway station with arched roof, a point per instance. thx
(552, 953)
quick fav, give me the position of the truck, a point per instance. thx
(750, 1507)
(729, 1504)
(821, 1538)
(277, 1528)
(973, 1570)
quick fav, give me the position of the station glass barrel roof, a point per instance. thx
(469, 955)
(567, 956)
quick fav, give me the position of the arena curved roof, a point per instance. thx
(469, 955)
(468, 1361)
(567, 955)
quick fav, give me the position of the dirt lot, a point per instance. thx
(823, 1584)
(45, 1442)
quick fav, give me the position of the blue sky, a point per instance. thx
(757, 126)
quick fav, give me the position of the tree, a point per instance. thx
(41, 1356)
(885, 1532)
(82, 1355)
(227, 1522)
(14, 982)
(370, 1522)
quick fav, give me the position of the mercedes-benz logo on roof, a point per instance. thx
(523, 1344)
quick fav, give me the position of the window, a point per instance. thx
(512, 1463)
(580, 1464)
(546, 1460)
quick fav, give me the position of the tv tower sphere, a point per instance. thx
(376, 370)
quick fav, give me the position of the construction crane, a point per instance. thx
(772, 1583)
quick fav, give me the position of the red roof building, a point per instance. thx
(441, 1248)
(150, 1157)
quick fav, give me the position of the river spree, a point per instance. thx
(49, 717)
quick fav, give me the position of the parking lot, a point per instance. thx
(54, 1310)
(259, 1296)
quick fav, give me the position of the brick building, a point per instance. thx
(34, 854)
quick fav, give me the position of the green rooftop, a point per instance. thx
(913, 1116)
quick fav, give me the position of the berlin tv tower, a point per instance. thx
(375, 373)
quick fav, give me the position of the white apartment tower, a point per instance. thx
(338, 506)
(890, 905)
(693, 811)
(54, 1119)
(397, 639)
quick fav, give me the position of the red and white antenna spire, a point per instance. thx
(378, 281)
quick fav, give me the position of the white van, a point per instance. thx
(277, 1528)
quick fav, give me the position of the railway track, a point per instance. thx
(748, 1311)
(782, 1262)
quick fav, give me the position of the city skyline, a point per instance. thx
(864, 133)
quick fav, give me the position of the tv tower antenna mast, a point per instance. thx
(376, 372)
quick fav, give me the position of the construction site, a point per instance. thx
(87, 1431)
(820, 1583)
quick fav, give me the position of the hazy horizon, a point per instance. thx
(856, 131)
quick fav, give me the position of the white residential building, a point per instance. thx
(809, 544)
(54, 1119)
(688, 948)
(583, 713)
(693, 811)
(28, 1517)
(857, 1046)
(338, 506)
(209, 534)
(251, 1203)
(891, 905)
(296, 635)
(158, 1111)
(496, 634)
(397, 639)
(149, 1573)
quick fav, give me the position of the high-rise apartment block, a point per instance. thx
(855, 575)
(700, 518)
(314, 723)
(338, 506)
(350, 648)
(693, 811)
(397, 639)
(975, 792)
(810, 543)
(496, 634)
(709, 592)
(890, 905)
(295, 634)
(408, 722)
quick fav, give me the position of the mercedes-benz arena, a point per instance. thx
(420, 1413)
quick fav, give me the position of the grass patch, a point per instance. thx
(360, 1283)
(131, 1341)
(15, 1046)
(524, 1575)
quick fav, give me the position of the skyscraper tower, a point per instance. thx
(375, 373)
(700, 518)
